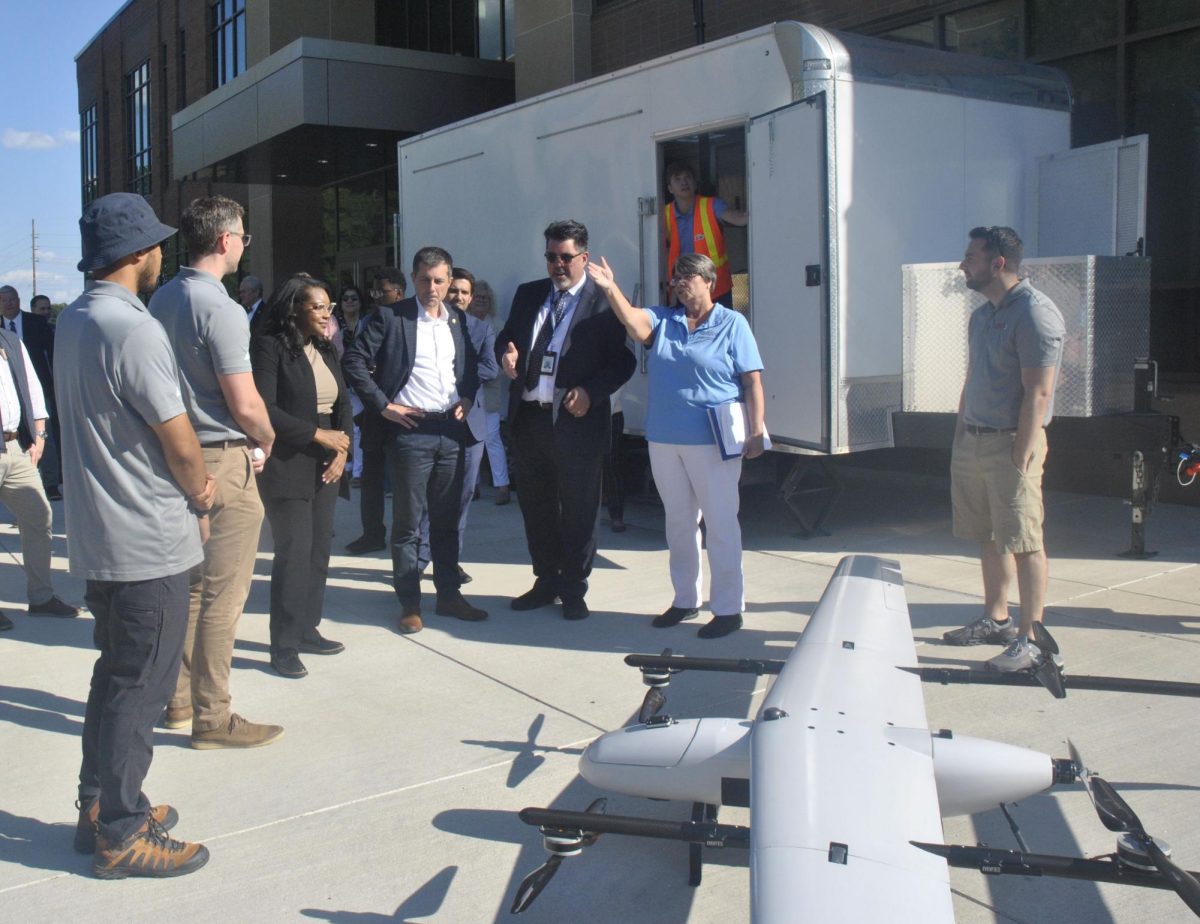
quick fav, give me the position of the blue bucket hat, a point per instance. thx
(116, 225)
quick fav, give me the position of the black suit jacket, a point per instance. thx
(38, 336)
(289, 390)
(380, 361)
(594, 357)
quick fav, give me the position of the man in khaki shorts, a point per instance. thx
(1015, 345)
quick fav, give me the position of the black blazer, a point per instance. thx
(289, 390)
(38, 336)
(379, 362)
(594, 356)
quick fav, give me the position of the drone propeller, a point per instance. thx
(1116, 815)
(1049, 673)
(560, 844)
(657, 679)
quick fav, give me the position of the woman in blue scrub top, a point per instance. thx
(699, 355)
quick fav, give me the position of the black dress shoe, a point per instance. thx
(537, 596)
(364, 544)
(319, 645)
(54, 607)
(458, 607)
(574, 608)
(5, 623)
(674, 615)
(287, 664)
(721, 626)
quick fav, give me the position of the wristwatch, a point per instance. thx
(40, 435)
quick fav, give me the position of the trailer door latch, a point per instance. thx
(812, 275)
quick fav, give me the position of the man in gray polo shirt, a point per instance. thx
(212, 344)
(134, 467)
(1015, 346)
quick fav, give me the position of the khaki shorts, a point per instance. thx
(991, 497)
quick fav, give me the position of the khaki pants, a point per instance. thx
(219, 587)
(22, 492)
(991, 498)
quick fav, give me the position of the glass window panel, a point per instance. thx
(362, 205)
(491, 29)
(919, 33)
(1164, 74)
(992, 30)
(1060, 25)
(1154, 14)
(463, 18)
(1094, 92)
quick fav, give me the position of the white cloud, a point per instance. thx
(35, 140)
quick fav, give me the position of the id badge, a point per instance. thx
(549, 362)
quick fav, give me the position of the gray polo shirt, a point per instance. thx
(212, 338)
(115, 375)
(1024, 332)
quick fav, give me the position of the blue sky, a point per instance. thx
(39, 141)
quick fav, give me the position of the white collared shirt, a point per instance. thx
(544, 392)
(20, 324)
(10, 401)
(431, 386)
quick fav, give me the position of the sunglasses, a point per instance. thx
(563, 258)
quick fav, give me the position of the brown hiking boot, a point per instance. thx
(150, 852)
(236, 733)
(410, 621)
(88, 825)
(177, 717)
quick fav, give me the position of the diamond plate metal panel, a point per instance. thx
(1105, 303)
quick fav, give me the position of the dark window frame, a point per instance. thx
(226, 40)
(89, 153)
(137, 129)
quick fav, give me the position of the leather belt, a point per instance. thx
(437, 415)
(979, 431)
(9, 436)
(538, 405)
(224, 444)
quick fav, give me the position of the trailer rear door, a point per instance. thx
(789, 304)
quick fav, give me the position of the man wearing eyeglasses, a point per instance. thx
(388, 289)
(565, 350)
(211, 337)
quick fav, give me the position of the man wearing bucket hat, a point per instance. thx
(134, 515)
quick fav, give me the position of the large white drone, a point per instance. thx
(845, 782)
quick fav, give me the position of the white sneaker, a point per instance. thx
(1021, 654)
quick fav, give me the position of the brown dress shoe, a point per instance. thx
(410, 622)
(503, 496)
(88, 826)
(149, 852)
(458, 607)
(236, 733)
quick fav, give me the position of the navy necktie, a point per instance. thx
(533, 371)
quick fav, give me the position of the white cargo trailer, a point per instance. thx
(853, 156)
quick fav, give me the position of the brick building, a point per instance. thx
(294, 106)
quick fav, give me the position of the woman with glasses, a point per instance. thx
(700, 355)
(300, 380)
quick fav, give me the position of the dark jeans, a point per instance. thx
(371, 493)
(140, 627)
(614, 469)
(427, 471)
(559, 499)
(303, 531)
(472, 456)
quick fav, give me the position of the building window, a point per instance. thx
(89, 147)
(137, 127)
(471, 28)
(228, 31)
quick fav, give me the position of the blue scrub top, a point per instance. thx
(691, 371)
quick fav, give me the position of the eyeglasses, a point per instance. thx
(679, 280)
(349, 297)
(320, 307)
(380, 293)
(563, 258)
(245, 237)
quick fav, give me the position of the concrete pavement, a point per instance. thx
(391, 796)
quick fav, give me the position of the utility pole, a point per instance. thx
(33, 253)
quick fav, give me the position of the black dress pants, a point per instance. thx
(302, 528)
(139, 632)
(559, 499)
(371, 493)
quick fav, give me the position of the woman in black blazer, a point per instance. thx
(300, 381)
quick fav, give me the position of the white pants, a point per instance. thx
(494, 447)
(694, 481)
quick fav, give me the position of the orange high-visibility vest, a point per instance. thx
(707, 239)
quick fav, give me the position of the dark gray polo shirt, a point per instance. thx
(1024, 332)
(115, 376)
(212, 338)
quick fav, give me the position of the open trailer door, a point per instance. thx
(789, 266)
